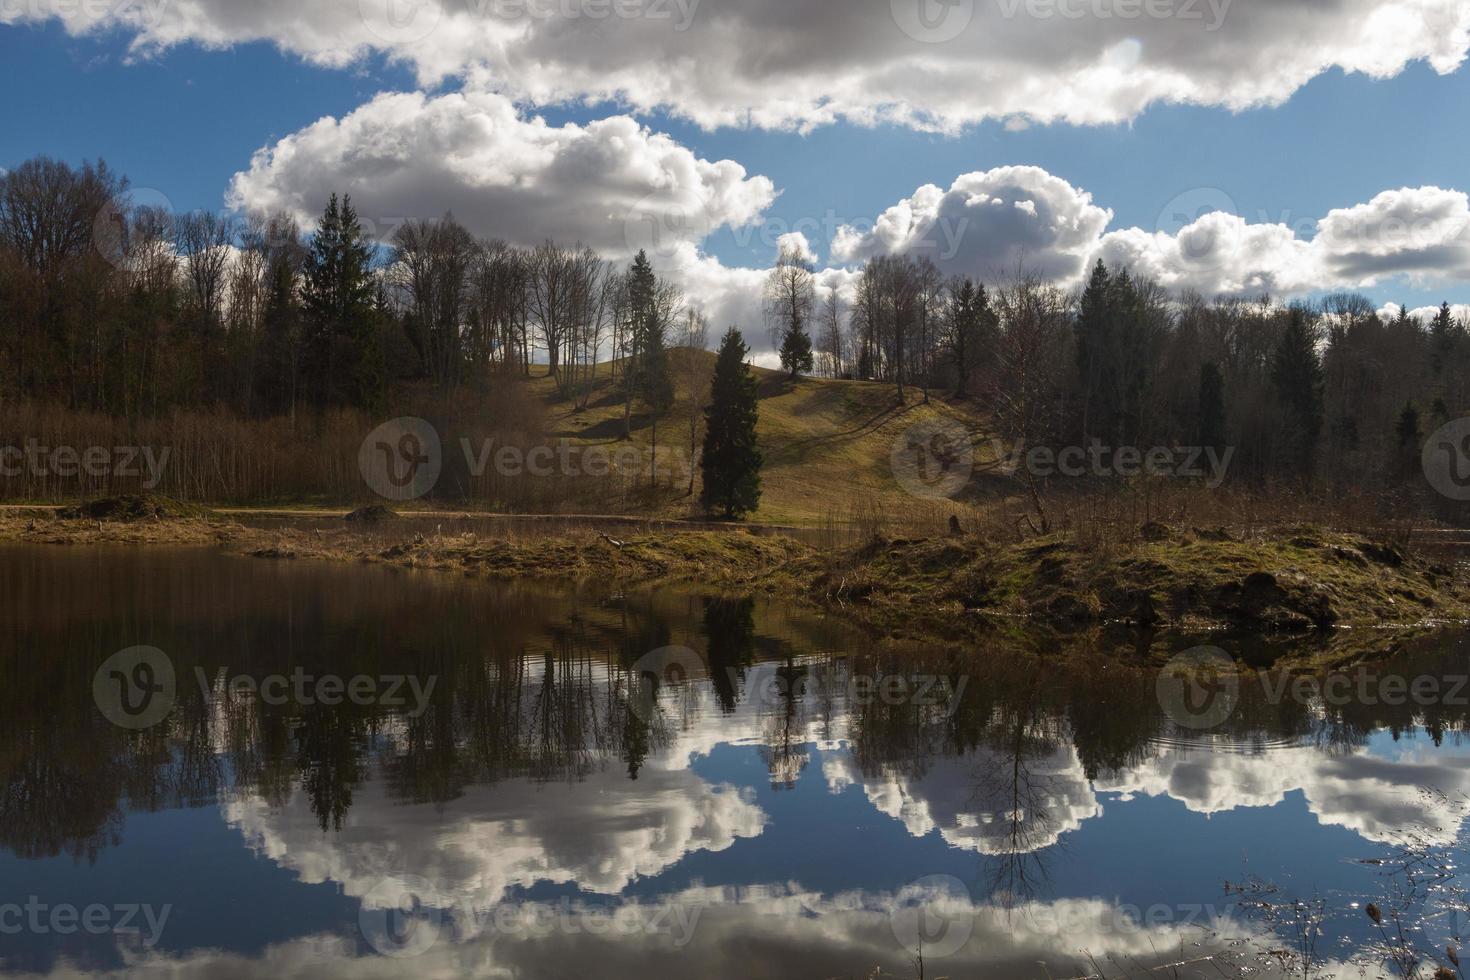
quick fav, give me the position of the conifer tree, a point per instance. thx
(340, 364)
(1211, 411)
(1296, 372)
(730, 460)
(796, 350)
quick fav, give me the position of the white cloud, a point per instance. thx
(1390, 311)
(796, 242)
(1423, 232)
(988, 222)
(611, 184)
(774, 63)
(618, 187)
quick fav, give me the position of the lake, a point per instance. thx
(218, 765)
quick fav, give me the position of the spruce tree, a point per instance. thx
(655, 386)
(1297, 374)
(643, 318)
(1441, 338)
(279, 342)
(1211, 411)
(1093, 330)
(1410, 437)
(796, 350)
(337, 300)
(730, 461)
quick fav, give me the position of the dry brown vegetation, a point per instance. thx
(1163, 581)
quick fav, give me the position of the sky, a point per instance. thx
(1231, 147)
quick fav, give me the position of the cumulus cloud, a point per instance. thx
(601, 834)
(619, 187)
(1424, 232)
(611, 184)
(777, 63)
(988, 222)
(737, 932)
(1390, 311)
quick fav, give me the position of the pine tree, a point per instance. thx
(971, 329)
(796, 350)
(280, 342)
(642, 287)
(1211, 411)
(655, 386)
(337, 300)
(1093, 329)
(1296, 372)
(730, 461)
(1410, 436)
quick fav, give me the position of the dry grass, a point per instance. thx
(826, 444)
(1025, 593)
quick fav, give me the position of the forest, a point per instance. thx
(133, 314)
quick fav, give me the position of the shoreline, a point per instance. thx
(1341, 596)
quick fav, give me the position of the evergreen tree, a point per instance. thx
(1092, 330)
(280, 340)
(730, 460)
(1410, 437)
(1296, 372)
(1441, 338)
(655, 386)
(796, 349)
(337, 300)
(1211, 410)
(643, 318)
(971, 329)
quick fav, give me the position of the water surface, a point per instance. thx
(545, 782)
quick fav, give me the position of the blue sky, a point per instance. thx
(184, 120)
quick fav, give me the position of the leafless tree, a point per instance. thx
(694, 340)
(1030, 364)
(203, 240)
(497, 307)
(832, 346)
(431, 266)
(790, 295)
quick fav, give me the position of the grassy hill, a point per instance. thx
(826, 443)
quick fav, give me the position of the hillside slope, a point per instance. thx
(827, 443)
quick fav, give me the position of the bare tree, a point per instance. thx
(832, 343)
(203, 240)
(497, 306)
(1030, 364)
(790, 296)
(431, 265)
(553, 289)
(694, 340)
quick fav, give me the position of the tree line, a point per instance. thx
(133, 311)
(1302, 392)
